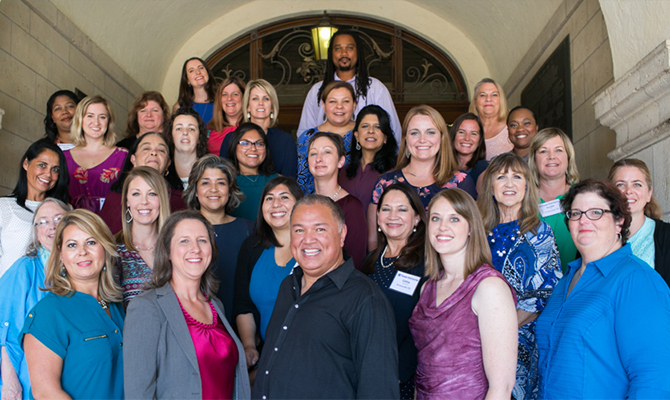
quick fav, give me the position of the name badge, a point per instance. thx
(550, 208)
(405, 283)
(102, 202)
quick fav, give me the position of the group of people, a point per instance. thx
(212, 255)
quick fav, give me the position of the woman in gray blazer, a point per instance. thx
(177, 341)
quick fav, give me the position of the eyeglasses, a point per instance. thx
(593, 214)
(247, 143)
(44, 222)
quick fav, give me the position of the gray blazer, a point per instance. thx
(158, 352)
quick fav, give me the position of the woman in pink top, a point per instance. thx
(464, 325)
(178, 343)
(227, 112)
(490, 105)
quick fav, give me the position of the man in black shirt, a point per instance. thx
(332, 331)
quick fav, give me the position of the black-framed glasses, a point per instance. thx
(248, 143)
(44, 222)
(593, 214)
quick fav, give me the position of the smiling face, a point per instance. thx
(212, 191)
(467, 137)
(231, 102)
(423, 137)
(488, 100)
(316, 242)
(41, 174)
(339, 107)
(448, 231)
(150, 118)
(51, 213)
(633, 184)
(143, 201)
(277, 206)
(82, 255)
(369, 133)
(522, 128)
(251, 156)
(345, 53)
(190, 250)
(260, 105)
(509, 188)
(152, 152)
(551, 158)
(95, 121)
(323, 159)
(593, 236)
(396, 217)
(196, 73)
(62, 113)
(185, 134)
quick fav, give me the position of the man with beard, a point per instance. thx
(346, 62)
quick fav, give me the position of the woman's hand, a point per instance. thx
(252, 355)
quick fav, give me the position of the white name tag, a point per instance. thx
(550, 208)
(102, 202)
(405, 283)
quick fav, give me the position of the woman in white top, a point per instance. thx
(42, 174)
(490, 105)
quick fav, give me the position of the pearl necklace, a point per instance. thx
(336, 193)
(381, 259)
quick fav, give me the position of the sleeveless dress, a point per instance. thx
(450, 364)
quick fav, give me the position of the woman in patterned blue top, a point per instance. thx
(524, 250)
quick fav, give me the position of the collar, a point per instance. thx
(606, 264)
(338, 276)
(350, 81)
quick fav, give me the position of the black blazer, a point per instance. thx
(662, 249)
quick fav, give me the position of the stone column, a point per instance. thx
(637, 108)
(2, 112)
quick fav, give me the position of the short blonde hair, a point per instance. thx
(267, 87)
(571, 174)
(502, 113)
(77, 135)
(478, 251)
(158, 185)
(93, 225)
(35, 244)
(445, 161)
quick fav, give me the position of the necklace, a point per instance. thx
(418, 176)
(381, 259)
(250, 180)
(336, 193)
(103, 304)
(142, 249)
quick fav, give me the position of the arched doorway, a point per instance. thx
(414, 71)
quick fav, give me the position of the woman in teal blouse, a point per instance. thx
(73, 337)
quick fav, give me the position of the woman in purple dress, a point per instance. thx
(94, 163)
(464, 324)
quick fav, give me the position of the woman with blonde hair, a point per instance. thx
(490, 105)
(73, 337)
(553, 171)
(260, 105)
(147, 114)
(426, 162)
(228, 112)
(464, 324)
(146, 206)
(523, 250)
(94, 163)
(649, 235)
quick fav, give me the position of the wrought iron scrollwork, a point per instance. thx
(229, 72)
(418, 76)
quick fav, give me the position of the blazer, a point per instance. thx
(662, 248)
(158, 353)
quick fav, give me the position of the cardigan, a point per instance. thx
(662, 248)
(158, 351)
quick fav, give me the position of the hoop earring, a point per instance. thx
(129, 215)
(407, 154)
(248, 116)
(358, 145)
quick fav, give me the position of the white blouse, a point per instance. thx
(16, 227)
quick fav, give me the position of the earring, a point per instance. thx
(104, 268)
(167, 172)
(129, 215)
(407, 154)
(414, 230)
(379, 229)
(358, 146)
(62, 272)
(248, 115)
(272, 115)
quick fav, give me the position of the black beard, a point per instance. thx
(345, 68)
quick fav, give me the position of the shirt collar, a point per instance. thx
(338, 276)
(606, 264)
(350, 81)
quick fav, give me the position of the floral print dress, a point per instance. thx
(89, 187)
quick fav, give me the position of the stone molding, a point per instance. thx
(637, 105)
(2, 112)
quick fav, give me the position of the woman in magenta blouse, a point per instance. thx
(178, 343)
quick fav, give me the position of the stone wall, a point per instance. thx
(591, 68)
(42, 51)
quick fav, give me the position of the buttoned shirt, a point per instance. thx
(337, 340)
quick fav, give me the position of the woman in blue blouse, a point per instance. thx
(197, 88)
(524, 250)
(19, 292)
(73, 336)
(339, 102)
(604, 331)
(264, 260)
(401, 234)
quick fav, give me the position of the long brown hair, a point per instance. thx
(478, 252)
(445, 163)
(185, 98)
(219, 120)
(528, 219)
(652, 209)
